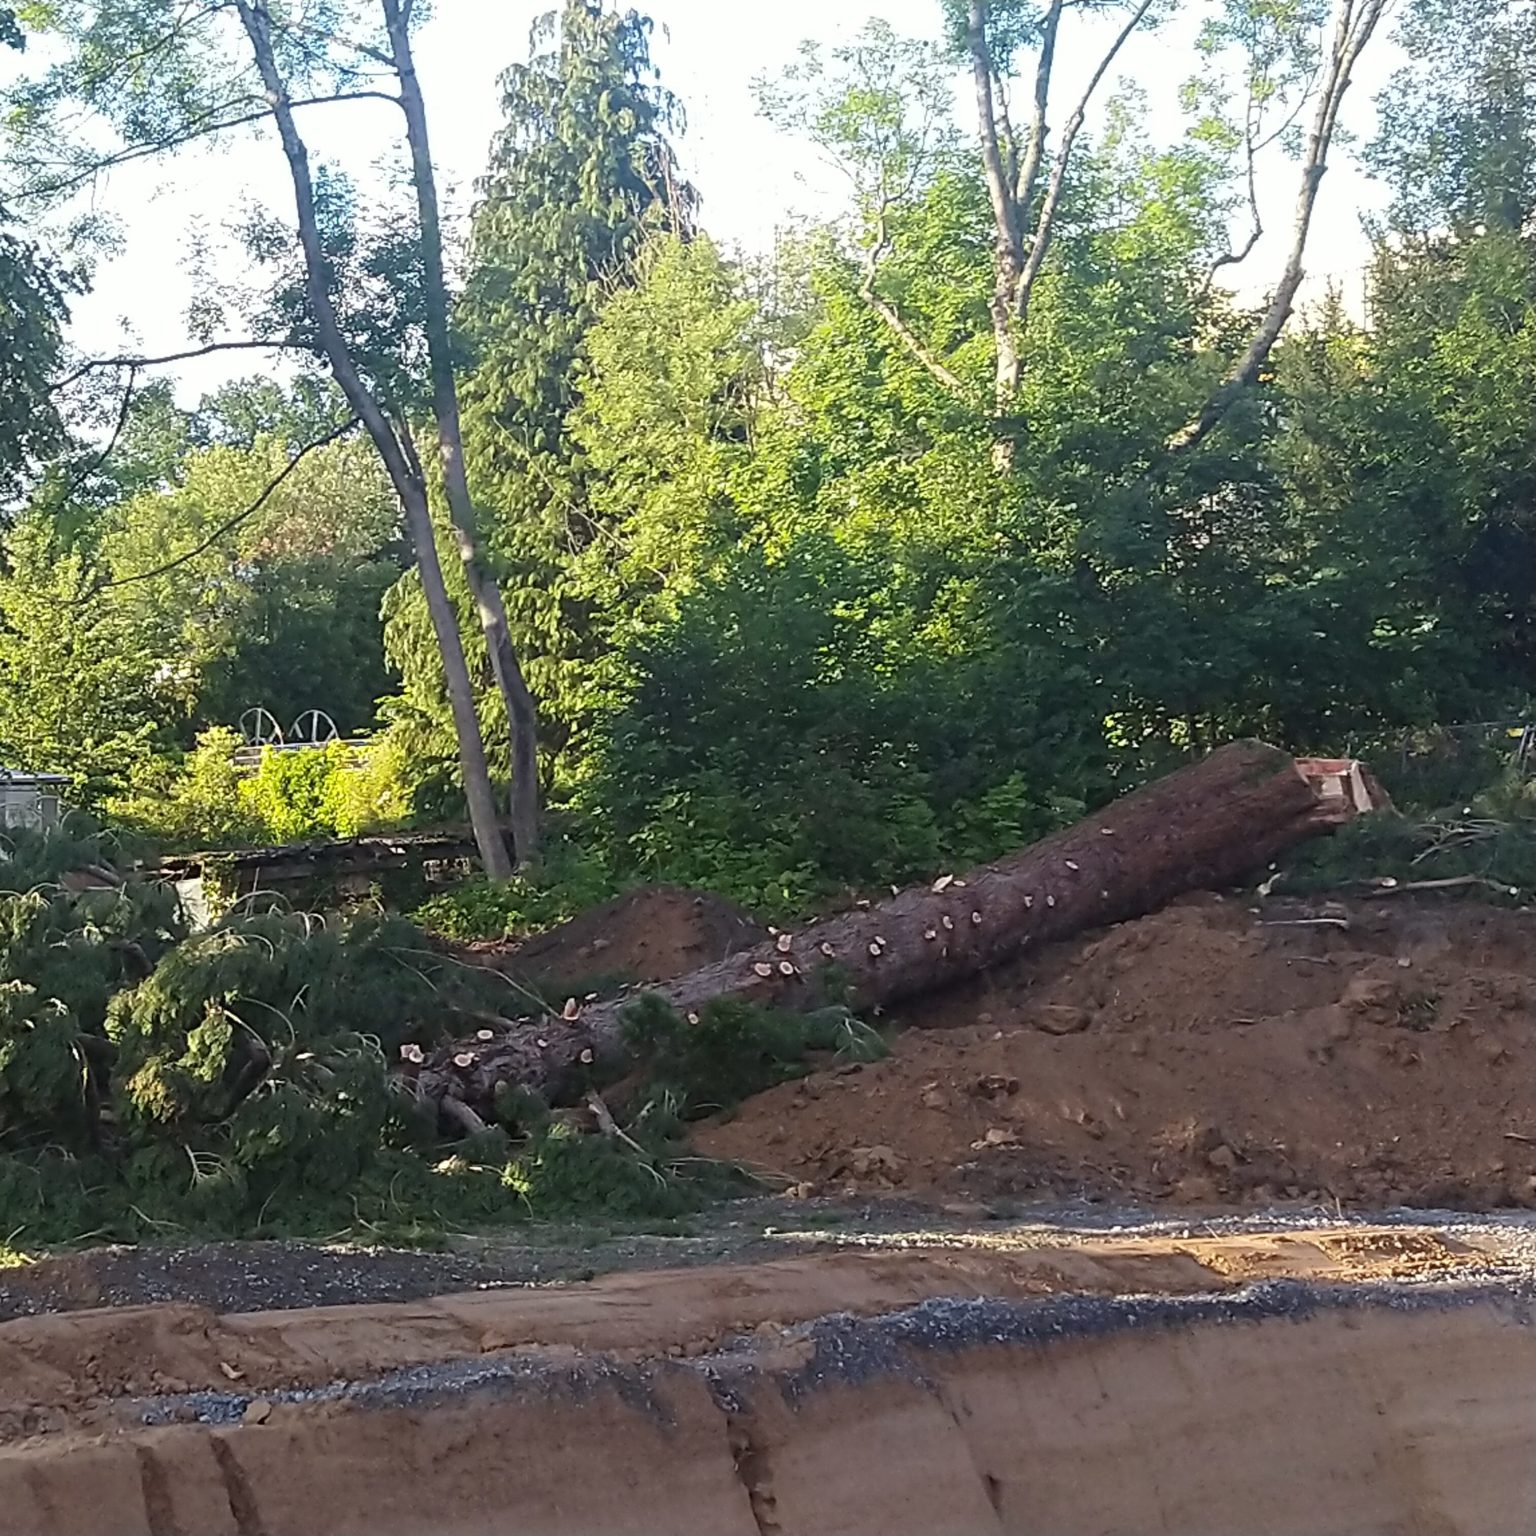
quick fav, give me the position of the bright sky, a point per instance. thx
(751, 177)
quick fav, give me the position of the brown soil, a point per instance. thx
(1123, 1385)
(60, 1371)
(1373, 1053)
(650, 934)
(1335, 1380)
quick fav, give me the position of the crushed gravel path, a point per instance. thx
(250, 1277)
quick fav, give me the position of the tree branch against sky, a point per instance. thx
(1354, 23)
(711, 59)
(879, 109)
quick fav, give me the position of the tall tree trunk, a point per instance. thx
(408, 486)
(1008, 231)
(522, 715)
(1019, 250)
(1357, 21)
(1203, 826)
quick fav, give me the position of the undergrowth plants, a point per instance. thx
(240, 1081)
(1483, 846)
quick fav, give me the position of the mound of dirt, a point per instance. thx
(651, 934)
(1211, 1053)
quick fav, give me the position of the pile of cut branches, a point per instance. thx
(245, 1080)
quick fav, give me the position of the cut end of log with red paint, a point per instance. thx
(1345, 787)
(1204, 826)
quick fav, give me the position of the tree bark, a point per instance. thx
(517, 700)
(408, 486)
(1050, 205)
(1357, 20)
(1019, 251)
(1205, 825)
(1008, 212)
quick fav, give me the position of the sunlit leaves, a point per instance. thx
(880, 107)
(1456, 137)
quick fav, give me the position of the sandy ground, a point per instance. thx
(1034, 1376)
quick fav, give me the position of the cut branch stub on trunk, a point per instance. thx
(1206, 825)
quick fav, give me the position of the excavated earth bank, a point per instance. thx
(1219, 1052)
(1349, 1381)
(1268, 1375)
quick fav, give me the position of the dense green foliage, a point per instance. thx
(790, 629)
(31, 316)
(209, 801)
(242, 1080)
(580, 175)
(125, 632)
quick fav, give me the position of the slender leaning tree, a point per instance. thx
(149, 79)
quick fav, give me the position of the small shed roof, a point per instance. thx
(21, 776)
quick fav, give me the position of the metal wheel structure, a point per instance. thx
(314, 728)
(259, 728)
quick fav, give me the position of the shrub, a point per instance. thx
(735, 1049)
(570, 880)
(290, 797)
(241, 1081)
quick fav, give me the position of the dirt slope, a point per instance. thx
(1380, 1053)
(1278, 1409)
(650, 934)
(68, 1371)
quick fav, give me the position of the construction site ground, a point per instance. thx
(1214, 1222)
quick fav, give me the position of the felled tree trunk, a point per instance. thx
(1205, 825)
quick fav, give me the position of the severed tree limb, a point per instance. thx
(1204, 826)
(611, 1127)
(461, 1116)
(1447, 883)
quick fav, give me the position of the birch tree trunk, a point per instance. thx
(517, 700)
(1023, 233)
(256, 20)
